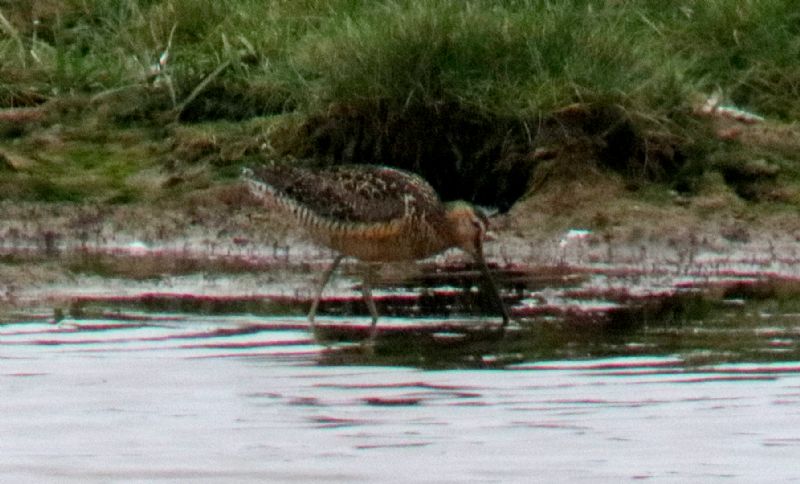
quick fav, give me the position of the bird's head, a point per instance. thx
(469, 227)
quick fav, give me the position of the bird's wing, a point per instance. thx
(353, 193)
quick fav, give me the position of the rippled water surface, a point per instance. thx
(152, 368)
(148, 397)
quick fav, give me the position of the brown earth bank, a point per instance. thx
(590, 188)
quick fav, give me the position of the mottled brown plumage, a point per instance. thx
(372, 213)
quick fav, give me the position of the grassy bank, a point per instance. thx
(140, 100)
(515, 57)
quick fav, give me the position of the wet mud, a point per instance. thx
(589, 300)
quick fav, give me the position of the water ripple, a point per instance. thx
(247, 398)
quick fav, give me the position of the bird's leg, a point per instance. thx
(366, 290)
(493, 287)
(326, 276)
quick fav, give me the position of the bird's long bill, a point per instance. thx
(492, 285)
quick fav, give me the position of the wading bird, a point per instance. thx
(374, 214)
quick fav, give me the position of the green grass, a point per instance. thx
(520, 59)
(513, 59)
(78, 170)
(748, 49)
(523, 56)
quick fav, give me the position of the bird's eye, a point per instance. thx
(478, 225)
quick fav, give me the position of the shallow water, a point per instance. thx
(155, 368)
(149, 397)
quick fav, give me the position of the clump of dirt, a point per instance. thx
(17, 122)
(223, 147)
(19, 98)
(470, 154)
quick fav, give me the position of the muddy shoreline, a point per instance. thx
(57, 259)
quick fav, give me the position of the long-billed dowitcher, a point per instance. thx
(375, 214)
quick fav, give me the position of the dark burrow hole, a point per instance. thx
(750, 181)
(483, 158)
